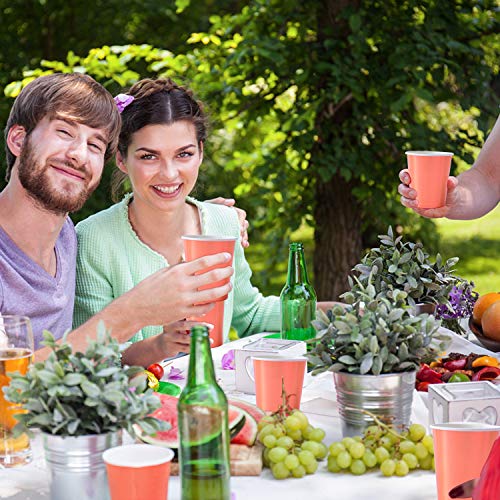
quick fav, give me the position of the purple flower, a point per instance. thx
(175, 374)
(461, 300)
(228, 360)
(122, 101)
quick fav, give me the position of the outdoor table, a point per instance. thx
(319, 403)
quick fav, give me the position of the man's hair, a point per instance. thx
(72, 95)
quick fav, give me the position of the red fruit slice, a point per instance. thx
(248, 433)
(254, 410)
(168, 413)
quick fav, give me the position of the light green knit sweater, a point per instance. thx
(112, 260)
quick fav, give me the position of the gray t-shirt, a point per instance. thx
(27, 289)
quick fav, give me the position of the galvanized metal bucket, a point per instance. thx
(76, 465)
(387, 396)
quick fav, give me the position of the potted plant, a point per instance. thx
(431, 286)
(373, 346)
(81, 402)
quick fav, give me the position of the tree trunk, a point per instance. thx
(337, 236)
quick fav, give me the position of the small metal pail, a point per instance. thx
(76, 466)
(387, 396)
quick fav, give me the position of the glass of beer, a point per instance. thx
(16, 353)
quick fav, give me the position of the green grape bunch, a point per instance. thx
(382, 446)
(292, 446)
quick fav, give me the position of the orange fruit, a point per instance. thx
(482, 303)
(491, 321)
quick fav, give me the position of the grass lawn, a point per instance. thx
(476, 242)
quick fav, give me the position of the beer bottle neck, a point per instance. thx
(297, 272)
(201, 366)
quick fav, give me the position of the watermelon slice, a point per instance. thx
(248, 434)
(168, 413)
(254, 410)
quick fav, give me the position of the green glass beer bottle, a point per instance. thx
(203, 427)
(297, 299)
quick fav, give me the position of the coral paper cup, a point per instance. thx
(138, 471)
(429, 172)
(270, 373)
(196, 246)
(215, 317)
(460, 451)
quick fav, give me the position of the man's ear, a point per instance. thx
(120, 163)
(15, 139)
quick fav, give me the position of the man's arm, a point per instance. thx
(473, 193)
(164, 297)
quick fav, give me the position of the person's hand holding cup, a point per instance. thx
(196, 246)
(426, 186)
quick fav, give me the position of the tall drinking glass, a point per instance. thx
(16, 353)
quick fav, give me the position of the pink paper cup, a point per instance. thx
(429, 172)
(270, 373)
(460, 451)
(138, 471)
(196, 246)
(216, 317)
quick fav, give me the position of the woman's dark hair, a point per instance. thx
(157, 102)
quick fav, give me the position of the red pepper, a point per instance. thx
(489, 482)
(486, 373)
(423, 386)
(426, 374)
(455, 364)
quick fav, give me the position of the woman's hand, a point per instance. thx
(176, 337)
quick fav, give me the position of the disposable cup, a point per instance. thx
(271, 374)
(215, 317)
(196, 246)
(429, 172)
(460, 451)
(138, 471)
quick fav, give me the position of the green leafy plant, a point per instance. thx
(79, 393)
(374, 335)
(397, 265)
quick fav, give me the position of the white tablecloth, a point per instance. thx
(319, 403)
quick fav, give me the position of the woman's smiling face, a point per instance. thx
(162, 163)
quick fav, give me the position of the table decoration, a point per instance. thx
(464, 402)
(81, 402)
(406, 266)
(374, 346)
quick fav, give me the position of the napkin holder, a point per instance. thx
(464, 402)
(263, 347)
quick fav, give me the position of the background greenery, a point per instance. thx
(313, 105)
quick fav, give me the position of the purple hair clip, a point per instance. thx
(122, 101)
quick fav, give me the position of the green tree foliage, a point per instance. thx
(314, 104)
(37, 30)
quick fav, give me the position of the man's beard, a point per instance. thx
(35, 178)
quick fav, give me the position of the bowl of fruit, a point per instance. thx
(457, 367)
(485, 321)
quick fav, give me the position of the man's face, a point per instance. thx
(61, 163)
